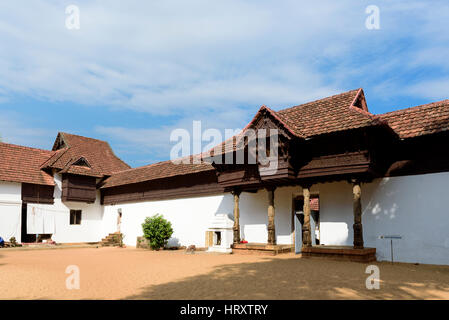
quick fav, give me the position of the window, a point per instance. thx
(75, 216)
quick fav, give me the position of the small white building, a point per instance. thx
(221, 234)
(344, 179)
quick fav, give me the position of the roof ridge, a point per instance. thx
(113, 153)
(165, 161)
(274, 114)
(25, 147)
(80, 136)
(426, 105)
(364, 112)
(319, 100)
(55, 153)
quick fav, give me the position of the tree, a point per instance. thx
(157, 230)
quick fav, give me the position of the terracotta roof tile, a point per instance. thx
(98, 153)
(331, 114)
(420, 120)
(22, 164)
(326, 115)
(159, 170)
(315, 204)
(340, 112)
(344, 111)
(81, 170)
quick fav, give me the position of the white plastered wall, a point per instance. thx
(90, 229)
(254, 215)
(414, 207)
(191, 217)
(10, 210)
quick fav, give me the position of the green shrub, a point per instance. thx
(157, 230)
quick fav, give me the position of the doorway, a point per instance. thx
(298, 220)
(24, 236)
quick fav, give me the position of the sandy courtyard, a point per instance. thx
(114, 273)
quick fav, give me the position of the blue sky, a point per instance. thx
(136, 70)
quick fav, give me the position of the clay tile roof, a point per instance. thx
(340, 112)
(86, 169)
(70, 148)
(315, 204)
(420, 120)
(22, 164)
(344, 111)
(336, 113)
(331, 114)
(159, 170)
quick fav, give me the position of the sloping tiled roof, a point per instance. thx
(22, 164)
(326, 115)
(331, 114)
(421, 120)
(340, 112)
(315, 204)
(81, 170)
(159, 170)
(98, 154)
(344, 111)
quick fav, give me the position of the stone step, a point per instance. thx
(112, 239)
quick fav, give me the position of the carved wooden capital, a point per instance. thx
(236, 192)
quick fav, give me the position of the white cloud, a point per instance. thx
(216, 61)
(164, 57)
(18, 129)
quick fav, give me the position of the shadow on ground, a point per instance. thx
(301, 278)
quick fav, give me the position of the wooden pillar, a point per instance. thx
(357, 208)
(306, 232)
(271, 228)
(236, 227)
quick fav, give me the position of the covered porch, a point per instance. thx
(303, 234)
(276, 150)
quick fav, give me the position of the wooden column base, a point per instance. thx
(271, 213)
(358, 236)
(307, 236)
(271, 236)
(307, 241)
(357, 208)
(236, 236)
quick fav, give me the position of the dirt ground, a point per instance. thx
(118, 273)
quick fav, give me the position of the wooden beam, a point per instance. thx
(357, 209)
(236, 227)
(271, 213)
(306, 232)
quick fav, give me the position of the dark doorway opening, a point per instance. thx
(25, 237)
(218, 238)
(298, 207)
